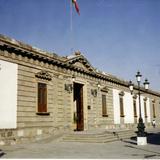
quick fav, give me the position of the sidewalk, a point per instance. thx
(57, 149)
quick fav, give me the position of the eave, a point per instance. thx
(22, 49)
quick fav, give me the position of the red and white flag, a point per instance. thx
(76, 6)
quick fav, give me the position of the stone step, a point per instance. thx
(92, 141)
(103, 137)
(89, 138)
(90, 135)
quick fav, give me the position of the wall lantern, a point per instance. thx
(131, 85)
(94, 92)
(99, 85)
(68, 87)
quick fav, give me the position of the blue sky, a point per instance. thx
(116, 36)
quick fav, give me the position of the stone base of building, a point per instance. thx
(30, 134)
(141, 140)
(27, 135)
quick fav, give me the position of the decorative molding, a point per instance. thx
(145, 99)
(94, 92)
(43, 75)
(15, 50)
(153, 100)
(78, 57)
(105, 89)
(134, 96)
(121, 93)
(68, 87)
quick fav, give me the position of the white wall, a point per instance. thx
(8, 95)
(142, 109)
(128, 107)
(116, 107)
(148, 111)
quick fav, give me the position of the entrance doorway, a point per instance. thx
(78, 104)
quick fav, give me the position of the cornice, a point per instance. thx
(43, 75)
(78, 57)
(19, 48)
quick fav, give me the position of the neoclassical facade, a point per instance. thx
(43, 94)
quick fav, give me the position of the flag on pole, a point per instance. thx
(76, 6)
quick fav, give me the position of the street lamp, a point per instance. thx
(141, 136)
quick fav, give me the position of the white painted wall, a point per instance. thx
(8, 95)
(142, 109)
(116, 107)
(137, 106)
(128, 107)
(148, 111)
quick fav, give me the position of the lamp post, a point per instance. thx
(141, 136)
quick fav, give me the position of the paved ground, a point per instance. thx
(56, 149)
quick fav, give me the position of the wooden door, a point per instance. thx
(78, 97)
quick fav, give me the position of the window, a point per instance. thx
(104, 106)
(134, 108)
(154, 110)
(42, 97)
(121, 106)
(145, 108)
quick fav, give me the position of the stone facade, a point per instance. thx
(73, 85)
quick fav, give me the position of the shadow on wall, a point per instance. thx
(2, 153)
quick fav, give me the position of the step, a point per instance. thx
(88, 138)
(103, 137)
(91, 140)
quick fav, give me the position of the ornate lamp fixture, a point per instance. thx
(141, 136)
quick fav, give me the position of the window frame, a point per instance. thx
(104, 105)
(134, 107)
(42, 104)
(121, 105)
(145, 108)
(153, 109)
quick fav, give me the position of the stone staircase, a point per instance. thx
(98, 136)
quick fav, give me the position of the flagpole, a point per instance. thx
(71, 25)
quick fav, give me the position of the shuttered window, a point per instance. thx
(42, 97)
(154, 110)
(145, 109)
(104, 106)
(134, 108)
(121, 106)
